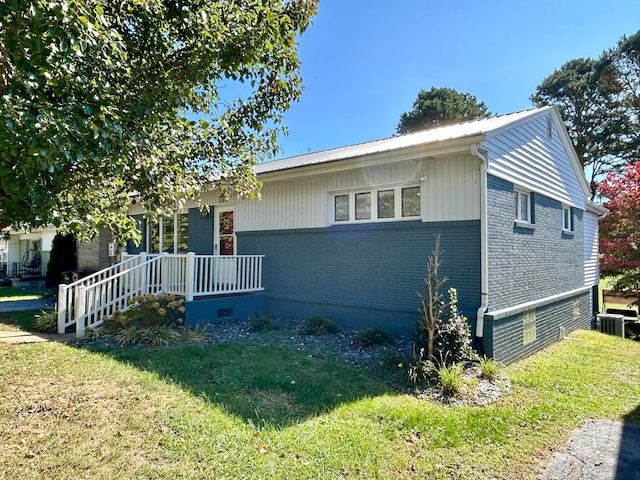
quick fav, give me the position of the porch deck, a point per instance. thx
(89, 301)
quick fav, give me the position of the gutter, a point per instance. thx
(484, 248)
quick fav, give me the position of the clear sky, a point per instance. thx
(364, 61)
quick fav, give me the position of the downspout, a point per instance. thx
(484, 249)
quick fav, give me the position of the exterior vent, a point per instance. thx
(611, 324)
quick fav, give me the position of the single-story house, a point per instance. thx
(347, 232)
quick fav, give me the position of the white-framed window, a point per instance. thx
(523, 206)
(529, 327)
(169, 234)
(399, 202)
(576, 308)
(567, 218)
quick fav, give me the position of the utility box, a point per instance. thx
(612, 324)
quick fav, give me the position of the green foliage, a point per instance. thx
(102, 98)
(159, 335)
(599, 101)
(439, 107)
(373, 337)
(489, 368)
(262, 324)
(454, 340)
(450, 378)
(152, 310)
(62, 258)
(319, 326)
(130, 335)
(46, 321)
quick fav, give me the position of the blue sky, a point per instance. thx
(364, 61)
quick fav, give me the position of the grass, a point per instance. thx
(18, 321)
(9, 294)
(251, 411)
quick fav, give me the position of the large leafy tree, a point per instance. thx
(439, 107)
(599, 100)
(620, 229)
(100, 100)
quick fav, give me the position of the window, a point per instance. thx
(522, 206)
(567, 219)
(170, 232)
(363, 206)
(576, 308)
(528, 327)
(341, 208)
(385, 203)
(411, 202)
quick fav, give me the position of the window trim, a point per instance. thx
(529, 327)
(567, 228)
(373, 191)
(520, 193)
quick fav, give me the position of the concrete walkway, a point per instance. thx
(598, 450)
(30, 337)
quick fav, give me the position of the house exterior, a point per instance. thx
(347, 232)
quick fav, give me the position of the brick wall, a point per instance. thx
(366, 274)
(504, 337)
(527, 264)
(94, 255)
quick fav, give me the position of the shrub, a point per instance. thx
(489, 368)
(262, 324)
(151, 311)
(128, 335)
(371, 337)
(159, 336)
(319, 326)
(46, 321)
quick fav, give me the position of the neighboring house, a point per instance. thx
(347, 232)
(19, 249)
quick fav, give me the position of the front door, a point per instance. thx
(225, 246)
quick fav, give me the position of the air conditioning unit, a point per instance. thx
(611, 324)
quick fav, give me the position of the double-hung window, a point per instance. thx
(377, 204)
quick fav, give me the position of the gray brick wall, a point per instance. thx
(364, 274)
(504, 337)
(529, 264)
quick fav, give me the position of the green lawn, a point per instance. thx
(251, 411)
(8, 294)
(22, 321)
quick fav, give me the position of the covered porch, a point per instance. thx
(87, 302)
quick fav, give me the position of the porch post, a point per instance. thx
(62, 307)
(81, 306)
(190, 276)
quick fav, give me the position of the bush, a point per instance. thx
(372, 337)
(151, 311)
(159, 336)
(46, 321)
(61, 258)
(262, 324)
(319, 326)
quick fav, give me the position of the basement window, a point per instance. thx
(529, 327)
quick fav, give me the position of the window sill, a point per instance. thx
(521, 224)
(567, 233)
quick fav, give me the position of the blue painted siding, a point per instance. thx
(200, 236)
(366, 274)
(222, 309)
(527, 264)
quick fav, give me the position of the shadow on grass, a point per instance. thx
(24, 321)
(266, 386)
(629, 452)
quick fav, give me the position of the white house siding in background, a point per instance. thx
(533, 155)
(591, 265)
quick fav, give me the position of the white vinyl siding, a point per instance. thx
(591, 267)
(449, 190)
(526, 155)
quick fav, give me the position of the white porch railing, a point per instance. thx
(90, 300)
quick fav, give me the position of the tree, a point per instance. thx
(620, 229)
(62, 258)
(101, 100)
(599, 100)
(439, 107)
